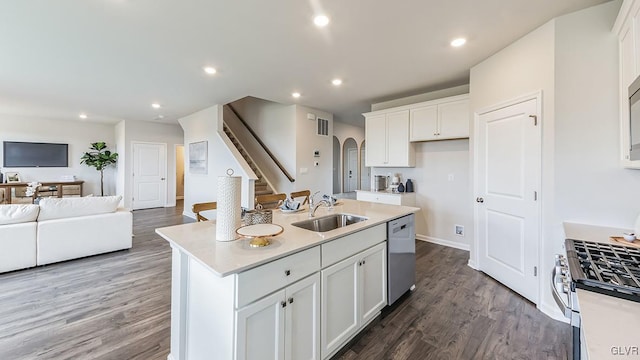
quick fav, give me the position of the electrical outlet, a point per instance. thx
(459, 230)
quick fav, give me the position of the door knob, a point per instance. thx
(479, 199)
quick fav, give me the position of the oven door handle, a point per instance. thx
(564, 307)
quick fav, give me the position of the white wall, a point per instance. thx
(432, 95)
(205, 125)
(144, 131)
(444, 203)
(591, 186)
(78, 134)
(120, 146)
(344, 131)
(574, 61)
(316, 178)
(291, 137)
(275, 124)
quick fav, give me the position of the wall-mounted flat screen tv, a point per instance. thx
(30, 154)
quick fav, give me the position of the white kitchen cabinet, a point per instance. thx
(441, 119)
(372, 283)
(405, 199)
(354, 291)
(283, 325)
(260, 328)
(627, 27)
(387, 138)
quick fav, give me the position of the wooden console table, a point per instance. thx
(59, 186)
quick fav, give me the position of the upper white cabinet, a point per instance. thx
(389, 132)
(627, 27)
(387, 138)
(441, 119)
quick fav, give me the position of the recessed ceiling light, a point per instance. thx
(83, 116)
(210, 70)
(336, 82)
(458, 42)
(295, 95)
(321, 20)
(155, 106)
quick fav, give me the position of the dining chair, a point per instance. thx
(305, 193)
(270, 201)
(198, 207)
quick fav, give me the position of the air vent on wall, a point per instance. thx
(323, 127)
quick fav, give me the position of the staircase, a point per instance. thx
(261, 186)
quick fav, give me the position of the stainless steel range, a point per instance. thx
(604, 268)
(608, 269)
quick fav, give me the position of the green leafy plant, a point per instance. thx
(100, 158)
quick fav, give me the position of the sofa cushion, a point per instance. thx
(59, 208)
(18, 213)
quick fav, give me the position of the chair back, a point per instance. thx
(305, 193)
(270, 201)
(198, 207)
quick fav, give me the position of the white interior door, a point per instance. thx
(508, 152)
(352, 170)
(149, 175)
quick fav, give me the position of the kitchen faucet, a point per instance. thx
(313, 206)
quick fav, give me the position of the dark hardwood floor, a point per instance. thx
(459, 313)
(116, 306)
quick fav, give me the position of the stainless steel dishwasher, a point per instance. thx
(401, 257)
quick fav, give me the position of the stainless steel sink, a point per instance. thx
(329, 222)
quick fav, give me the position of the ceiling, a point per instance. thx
(112, 58)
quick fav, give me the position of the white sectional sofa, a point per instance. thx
(62, 229)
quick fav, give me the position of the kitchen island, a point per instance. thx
(610, 325)
(303, 296)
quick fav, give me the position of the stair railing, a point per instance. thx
(266, 149)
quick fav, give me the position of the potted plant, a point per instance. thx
(100, 158)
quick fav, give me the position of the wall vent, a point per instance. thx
(323, 127)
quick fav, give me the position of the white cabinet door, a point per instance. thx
(424, 123)
(453, 120)
(373, 282)
(339, 304)
(376, 139)
(260, 328)
(302, 324)
(400, 150)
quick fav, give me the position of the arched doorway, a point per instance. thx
(336, 166)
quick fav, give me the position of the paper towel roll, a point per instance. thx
(229, 211)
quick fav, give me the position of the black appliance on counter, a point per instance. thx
(604, 268)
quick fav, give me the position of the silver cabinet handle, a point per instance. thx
(479, 199)
(287, 272)
(283, 304)
(290, 300)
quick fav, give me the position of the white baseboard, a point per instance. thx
(553, 312)
(472, 264)
(448, 243)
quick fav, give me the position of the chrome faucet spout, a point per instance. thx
(313, 206)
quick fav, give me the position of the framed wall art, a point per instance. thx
(198, 157)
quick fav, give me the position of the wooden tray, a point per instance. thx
(619, 239)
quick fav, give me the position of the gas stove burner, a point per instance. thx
(605, 268)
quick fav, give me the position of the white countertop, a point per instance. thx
(609, 324)
(386, 192)
(228, 257)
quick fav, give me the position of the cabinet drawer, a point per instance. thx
(265, 279)
(380, 198)
(342, 248)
